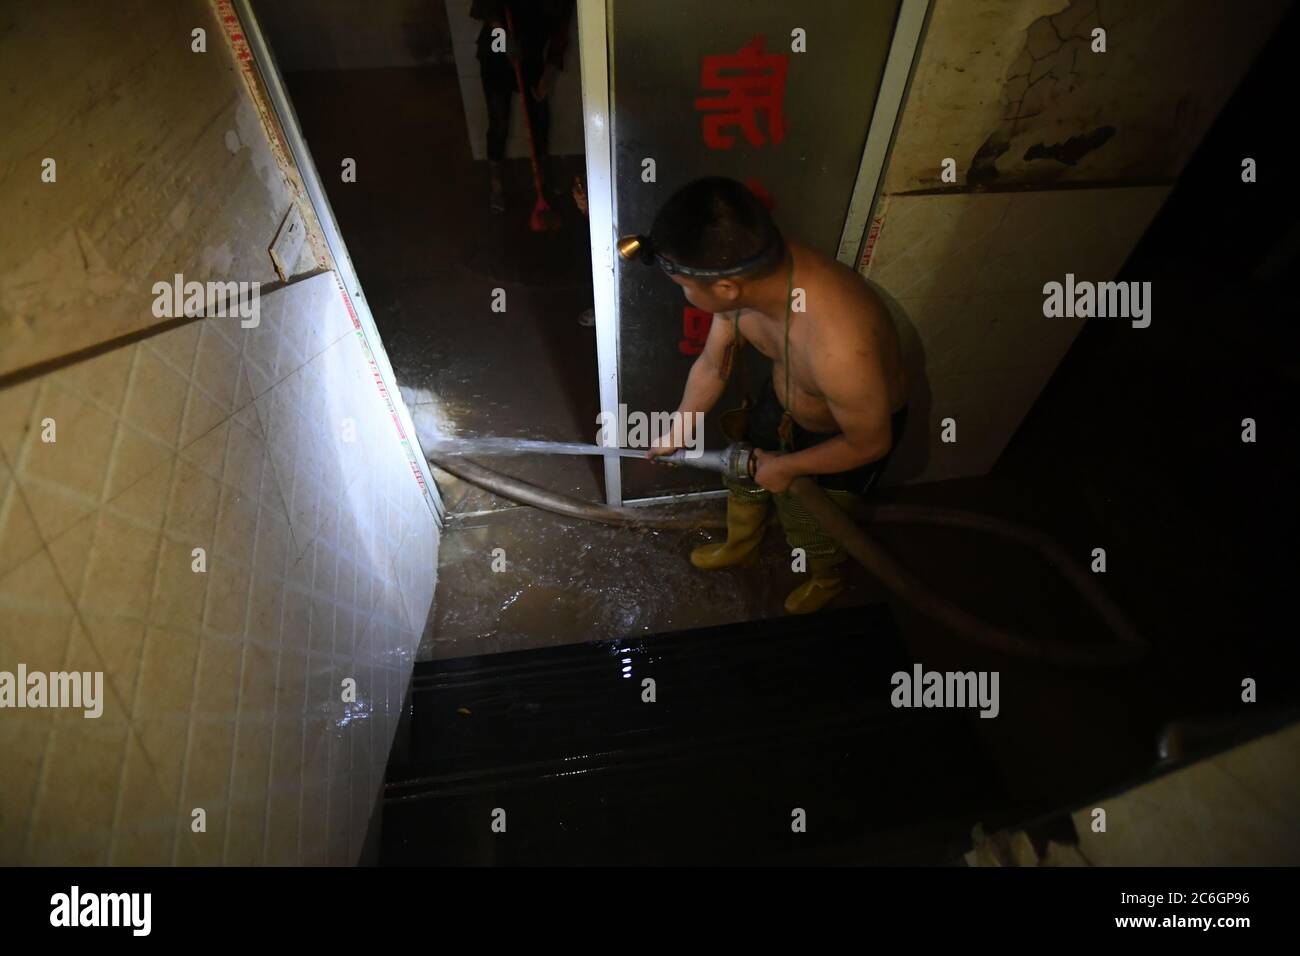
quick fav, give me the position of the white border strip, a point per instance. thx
(351, 284)
(596, 123)
(880, 135)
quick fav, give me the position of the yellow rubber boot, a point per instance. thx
(808, 598)
(745, 518)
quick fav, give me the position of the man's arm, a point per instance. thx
(705, 383)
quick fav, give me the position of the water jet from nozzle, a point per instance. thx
(734, 461)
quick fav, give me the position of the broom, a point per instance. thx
(543, 219)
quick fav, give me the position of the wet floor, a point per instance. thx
(566, 581)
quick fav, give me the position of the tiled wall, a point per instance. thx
(162, 166)
(223, 688)
(963, 263)
(269, 447)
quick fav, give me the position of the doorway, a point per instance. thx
(494, 329)
(414, 121)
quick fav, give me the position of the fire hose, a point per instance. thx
(736, 461)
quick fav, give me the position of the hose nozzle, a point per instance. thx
(735, 462)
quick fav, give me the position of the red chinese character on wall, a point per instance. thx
(695, 328)
(754, 82)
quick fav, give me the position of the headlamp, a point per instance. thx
(642, 248)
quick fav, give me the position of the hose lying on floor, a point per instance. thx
(1125, 646)
(527, 494)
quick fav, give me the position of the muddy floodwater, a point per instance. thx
(567, 581)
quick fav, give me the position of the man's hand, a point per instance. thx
(771, 471)
(664, 445)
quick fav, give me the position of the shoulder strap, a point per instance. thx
(746, 394)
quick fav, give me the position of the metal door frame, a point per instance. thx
(598, 146)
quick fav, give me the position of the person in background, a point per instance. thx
(588, 316)
(538, 43)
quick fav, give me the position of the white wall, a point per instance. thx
(270, 448)
(964, 263)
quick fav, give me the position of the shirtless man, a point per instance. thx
(834, 407)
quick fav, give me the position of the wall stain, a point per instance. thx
(1073, 149)
(1054, 62)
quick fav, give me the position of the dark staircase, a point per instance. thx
(750, 722)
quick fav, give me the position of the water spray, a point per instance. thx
(735, 462)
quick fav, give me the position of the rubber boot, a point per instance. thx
(745, 518)
(815, 594)
(825, 554)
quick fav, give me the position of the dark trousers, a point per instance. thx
(765, 420)
(499, 85)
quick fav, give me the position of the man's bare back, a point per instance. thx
(844, 331)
